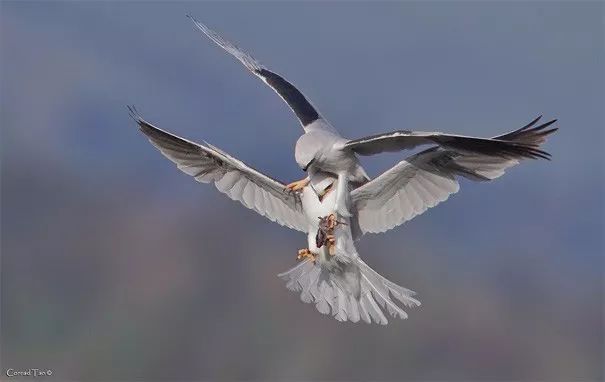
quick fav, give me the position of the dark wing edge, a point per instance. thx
(302, 108)
(520, 144)
(231, 176)
(420, 182)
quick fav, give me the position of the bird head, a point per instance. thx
(305, 152)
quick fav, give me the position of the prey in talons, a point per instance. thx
(325, 233)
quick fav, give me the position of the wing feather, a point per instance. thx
(518, 144)
(420, 182)
(428, 178)
(306, 113)
(232, 177)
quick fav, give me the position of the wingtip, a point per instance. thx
(196, 22)
(140, 121)
(133, 113)
(533, 122)
(544, 125)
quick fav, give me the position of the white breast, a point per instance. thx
(314, 209)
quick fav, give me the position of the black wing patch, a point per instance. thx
(303, 109)
(305, 112)
(521, 143)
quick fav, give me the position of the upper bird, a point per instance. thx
(322, 149)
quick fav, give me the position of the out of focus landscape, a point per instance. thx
(116, 266)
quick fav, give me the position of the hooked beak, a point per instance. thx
(308, 164)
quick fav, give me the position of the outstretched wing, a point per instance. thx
(424, 180)
(308, 116)
(230, 176)
(501, 145)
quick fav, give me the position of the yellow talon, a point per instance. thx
(298, 185)
(305, 253)
(332, 222)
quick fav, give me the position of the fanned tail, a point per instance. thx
(349, 291)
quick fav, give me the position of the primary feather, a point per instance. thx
(232, 177)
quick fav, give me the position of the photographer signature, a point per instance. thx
(33, 372)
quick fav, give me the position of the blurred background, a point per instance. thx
(116, 266)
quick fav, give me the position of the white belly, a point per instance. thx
(315, 209)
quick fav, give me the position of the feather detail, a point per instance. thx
(332, 290)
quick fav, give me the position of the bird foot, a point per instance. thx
(331, 241)
(298, 185)
(304, 254)
(332, 223)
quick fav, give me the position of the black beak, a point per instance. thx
(308, 164)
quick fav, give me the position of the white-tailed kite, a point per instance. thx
(337, 203)
(322, 149)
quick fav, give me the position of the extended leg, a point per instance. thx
(331, 244)
(342, 196)
(331, 239)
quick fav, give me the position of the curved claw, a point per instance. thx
(297, 186)
(306, 253)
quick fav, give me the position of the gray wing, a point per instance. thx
(230, 176)
(501, 145)
(428, 178)
(308, 116)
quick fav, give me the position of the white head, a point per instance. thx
(306, 151)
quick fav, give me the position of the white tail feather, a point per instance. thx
(350, 291)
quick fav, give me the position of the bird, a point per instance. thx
(322, 149)
(331, 273)
(339, 283)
